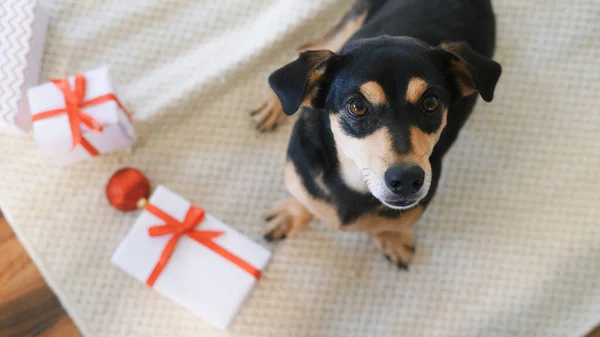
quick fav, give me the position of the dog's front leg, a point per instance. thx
(395, 238)
(286, 218)
(397, 247)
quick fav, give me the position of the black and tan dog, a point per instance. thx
(382, 97)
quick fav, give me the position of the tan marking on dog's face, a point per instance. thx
(373, 92)
(422, 144)
(415, 89)
(371, 156)
(374, 152)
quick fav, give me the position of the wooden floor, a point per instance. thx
(27, 306)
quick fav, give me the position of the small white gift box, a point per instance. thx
(191, 257)
(22, 36)
(79, 117)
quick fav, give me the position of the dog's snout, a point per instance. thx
(404, 180)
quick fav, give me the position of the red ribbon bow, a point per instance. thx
(74, 103)
(177, 228)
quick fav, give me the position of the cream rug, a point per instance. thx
(510, 246)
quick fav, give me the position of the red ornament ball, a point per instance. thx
(126, 188)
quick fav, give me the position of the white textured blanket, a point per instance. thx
(509, 247)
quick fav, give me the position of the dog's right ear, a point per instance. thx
(298, 83)
(472, 71)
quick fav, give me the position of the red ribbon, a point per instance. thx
(74, 104)
(177, 228)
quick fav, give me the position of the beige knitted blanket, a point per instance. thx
(509, 247)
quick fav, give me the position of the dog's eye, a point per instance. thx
(357, 107)
(430, 104)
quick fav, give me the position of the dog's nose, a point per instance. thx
(404, 180)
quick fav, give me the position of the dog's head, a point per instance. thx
(387, 100)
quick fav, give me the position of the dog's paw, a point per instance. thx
(397, 247)
(268, 115)
(286, 218)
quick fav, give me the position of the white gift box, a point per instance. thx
(54, 135)
(22, 36)
(197, 276)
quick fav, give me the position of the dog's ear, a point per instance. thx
(298, 83)
(471, 70)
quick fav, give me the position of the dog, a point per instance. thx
(381, 98)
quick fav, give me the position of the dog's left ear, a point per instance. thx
(472, 71)
(299, 82)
